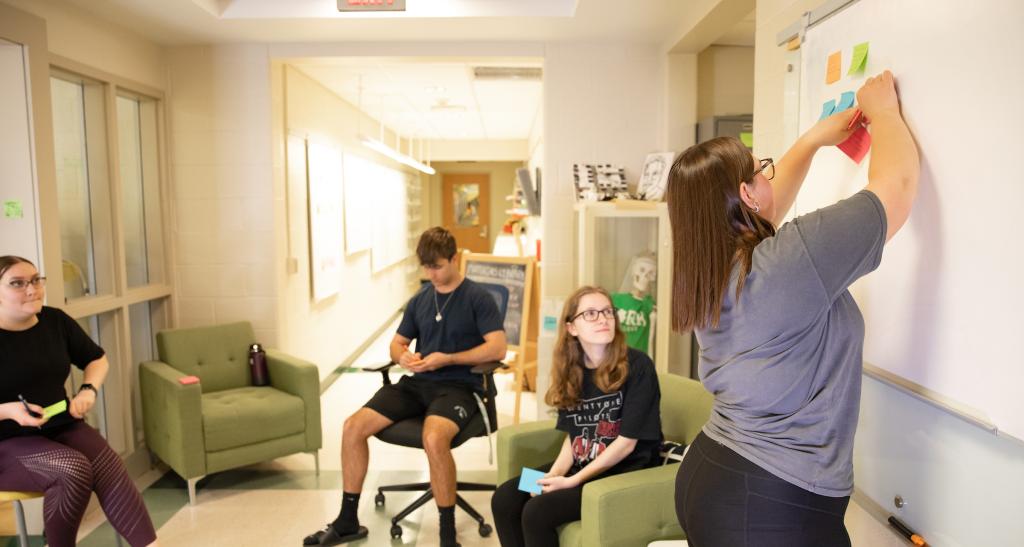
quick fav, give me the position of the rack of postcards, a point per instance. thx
(625, 245)
(416, 220)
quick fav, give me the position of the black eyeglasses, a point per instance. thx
(767, 167)
(591, 315)
(22, 284)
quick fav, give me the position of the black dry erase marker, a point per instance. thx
(907, 532)
(31, 412)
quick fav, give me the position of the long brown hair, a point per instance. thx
(568, 361)
(712, 229)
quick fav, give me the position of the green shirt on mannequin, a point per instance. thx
(635, 319)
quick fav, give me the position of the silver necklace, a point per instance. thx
(438, 317)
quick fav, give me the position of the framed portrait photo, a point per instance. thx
(655, 176)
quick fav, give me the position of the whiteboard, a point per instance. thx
(358, 185)
(944, 309)
(19, 226)
(325, 219)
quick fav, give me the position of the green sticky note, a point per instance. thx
(747, 139)
(13, 209)
(55, 409)
(860, 58)
(550, 323)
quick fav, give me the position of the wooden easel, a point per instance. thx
(523, 298)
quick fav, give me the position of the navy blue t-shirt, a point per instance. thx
(469, 312)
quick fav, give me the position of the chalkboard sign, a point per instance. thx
(513, 273)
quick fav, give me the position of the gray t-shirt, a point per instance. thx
(784, 363)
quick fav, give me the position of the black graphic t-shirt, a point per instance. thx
(599, 418)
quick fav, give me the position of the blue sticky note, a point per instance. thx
(528, 480)
(828, 109)
(845, 102)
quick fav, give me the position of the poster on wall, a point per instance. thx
(390, 218)
(359, 182)
(326, 226)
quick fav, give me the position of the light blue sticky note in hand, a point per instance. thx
(528, 480)
(845, 102)
(827, 109)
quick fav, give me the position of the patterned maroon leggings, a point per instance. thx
(67, 465)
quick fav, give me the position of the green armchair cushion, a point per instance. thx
(218, 355)
(250, 415)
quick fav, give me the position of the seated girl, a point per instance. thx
(61, 456)
(608, 402)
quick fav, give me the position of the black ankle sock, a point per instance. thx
(447, 526)
(348, 519)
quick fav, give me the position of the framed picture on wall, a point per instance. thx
(655, 176)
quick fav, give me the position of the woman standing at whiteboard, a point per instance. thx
(781, 337)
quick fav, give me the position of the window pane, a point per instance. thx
(83, 197)
(146, 319)
(137, 146)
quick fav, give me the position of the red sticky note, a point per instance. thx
(188, 380)
(857, 144)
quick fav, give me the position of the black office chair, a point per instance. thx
(409, 433)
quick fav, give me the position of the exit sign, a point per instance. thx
(371, 5)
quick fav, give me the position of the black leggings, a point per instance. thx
(722, 499)
(523, 520)
(68, 464)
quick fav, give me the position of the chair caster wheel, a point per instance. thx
(378, 500)
(485, 530)
(396, 532)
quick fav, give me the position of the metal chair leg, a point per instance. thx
(192, 489)
(19, 517)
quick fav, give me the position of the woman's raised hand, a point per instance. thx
(878, 96)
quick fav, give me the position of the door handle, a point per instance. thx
(483, 230)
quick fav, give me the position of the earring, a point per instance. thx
(756, 208)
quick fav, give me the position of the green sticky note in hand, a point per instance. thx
(860, 58)
(13, 209)
(55, 409)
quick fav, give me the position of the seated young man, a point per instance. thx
(456, 324)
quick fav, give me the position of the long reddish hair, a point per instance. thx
(712, 229)
(568, 361)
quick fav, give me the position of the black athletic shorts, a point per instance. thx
(413, 396)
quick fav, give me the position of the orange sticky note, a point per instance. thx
(857, 144)
(835, 68)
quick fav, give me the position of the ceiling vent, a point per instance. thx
(506, 73)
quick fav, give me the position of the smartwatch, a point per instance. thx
(84, 387)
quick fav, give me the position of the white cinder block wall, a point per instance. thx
(219, 132)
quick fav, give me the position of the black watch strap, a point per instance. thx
(84, 387)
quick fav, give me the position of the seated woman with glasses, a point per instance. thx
(608, 403)
(44, 444)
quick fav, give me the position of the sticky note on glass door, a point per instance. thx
(835, 68)
(860, 58)
(13, 209)
(857, 144)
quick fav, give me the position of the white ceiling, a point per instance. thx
(176, 22)
(433, 99)
(430, 99)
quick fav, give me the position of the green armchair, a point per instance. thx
(622, 510)
(224, 421)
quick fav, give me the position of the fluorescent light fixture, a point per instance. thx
(379, 146)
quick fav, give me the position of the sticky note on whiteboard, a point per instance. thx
(857, 144)
(835, 68)
(860, 58)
